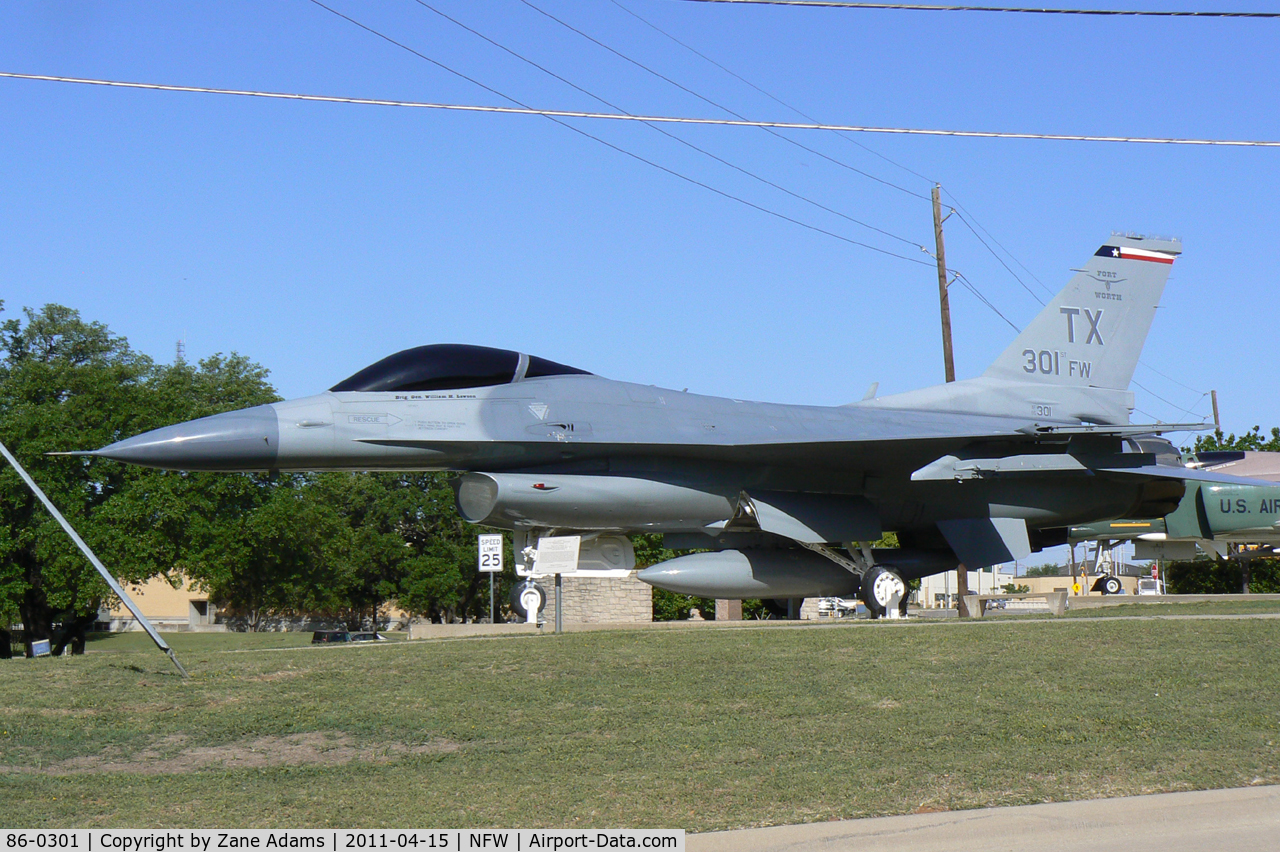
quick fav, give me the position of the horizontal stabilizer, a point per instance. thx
(1186, 474)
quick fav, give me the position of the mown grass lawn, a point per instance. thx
(703, 728)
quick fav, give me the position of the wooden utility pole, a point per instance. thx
(948, 362)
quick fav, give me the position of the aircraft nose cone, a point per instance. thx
(238, 440)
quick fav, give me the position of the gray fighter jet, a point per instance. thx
(782, 498)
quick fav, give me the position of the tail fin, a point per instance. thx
(1092, 333)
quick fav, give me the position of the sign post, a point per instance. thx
(491, 563)
(558, 555)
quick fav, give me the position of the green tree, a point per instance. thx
(1251, 440)
(64, 384)
(69, 384)
(440, 580)
(1207, 576)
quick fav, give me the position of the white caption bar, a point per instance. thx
(340, 840)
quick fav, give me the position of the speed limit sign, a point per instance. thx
(491, 554)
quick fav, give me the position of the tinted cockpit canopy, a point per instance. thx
(448, 366)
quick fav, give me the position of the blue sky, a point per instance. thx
(317, 238)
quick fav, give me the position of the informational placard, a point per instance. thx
(491, 553)
(558, 554)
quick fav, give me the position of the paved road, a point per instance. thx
(1217, 820)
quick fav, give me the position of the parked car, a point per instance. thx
(837, 607)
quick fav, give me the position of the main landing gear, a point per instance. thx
(883, 592)
(881, 588)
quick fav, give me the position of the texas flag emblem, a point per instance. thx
(1127, 253)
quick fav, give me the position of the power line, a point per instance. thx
(918, 7)
(707, 100)
(1173, 405)
(664, 132)
(521, 108)
(794, 109)
(968, 285)
(797, 111)
(562, 113)
(1011, 255)
(1172, 379)
(998, 258)
(963, 281)
(958, 275)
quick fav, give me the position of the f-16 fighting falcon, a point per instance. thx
(781, 499)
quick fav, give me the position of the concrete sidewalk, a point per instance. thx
(1236, 820)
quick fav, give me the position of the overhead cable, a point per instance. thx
(707, 100)
(563, 113)
(921, 7)
(973, 221)
(968, 285)
(1172, 379)
(1173, 405)
(998, 258)
(778, 100)
(668, 133)
(521, 108)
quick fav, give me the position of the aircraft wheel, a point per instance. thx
(518, 594)
(879, 585)
(1111, 586)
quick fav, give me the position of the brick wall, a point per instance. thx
(600, 600)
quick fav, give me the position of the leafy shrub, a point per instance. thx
(1222, 577)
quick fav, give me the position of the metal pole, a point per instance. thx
(1073, 565)
(948, 362)
(93, 560)
(1217, 424)
(559, 623)
(492, 618)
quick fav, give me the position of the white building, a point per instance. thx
(938, 591)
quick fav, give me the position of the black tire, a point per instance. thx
(517, 591)
(879, 580)
(1111, 586)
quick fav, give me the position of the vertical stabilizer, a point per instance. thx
(1092, 333)
(1073, 363)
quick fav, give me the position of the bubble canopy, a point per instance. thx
(448, 366)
